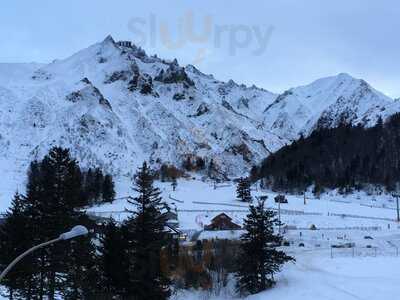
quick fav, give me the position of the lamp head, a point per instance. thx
(78, 230)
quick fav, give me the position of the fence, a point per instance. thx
(283, 211)
(345, 252)
(377, 206)
(361, 217)
(359, 228)
(176, 200)
(340, 201)
(297, 212)
(214, 210)
(364, 252)
(220, 204)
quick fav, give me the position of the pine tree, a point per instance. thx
(108, 189)
(54, 192)
(81, 269)
(14, 240)
(163, 172)
(211, 169)
(174, 183)
(259, 259)
(200, 163)
(89, 186)
(187, 164)
(146, 236)
(56, 212)
(243, 190)
(98, 184)
(114, 261)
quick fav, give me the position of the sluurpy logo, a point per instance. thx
(154, 32)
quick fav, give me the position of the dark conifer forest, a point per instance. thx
(345, 157)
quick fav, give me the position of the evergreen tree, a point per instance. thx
(108, 189)
(187, 164)
(98, 184)
(146, 235)
(114, 261)
(56, 212)
(81, 268)
(164, 172)
(259, 259)
(89, 186)
(15, 239)
(347, 157)
(243, 190)
(211, 169)
(54, 194)
(174, 184)
(200, 163)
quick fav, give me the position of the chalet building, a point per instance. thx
(222, 222)
(175, 233)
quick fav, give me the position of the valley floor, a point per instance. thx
(369, 270)
(318, 277)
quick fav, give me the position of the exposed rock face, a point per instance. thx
(114, 107)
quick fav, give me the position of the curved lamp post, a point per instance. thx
(73, 233)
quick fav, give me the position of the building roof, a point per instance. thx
(221, 215)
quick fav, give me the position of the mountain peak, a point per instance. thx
(109, 39)
(130, 107)
(345, 76)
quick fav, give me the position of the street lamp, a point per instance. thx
(73, 233)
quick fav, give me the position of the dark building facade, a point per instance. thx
(222, 222)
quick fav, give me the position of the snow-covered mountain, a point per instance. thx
(327, 102)
(114, 106)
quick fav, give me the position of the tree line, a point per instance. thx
(347, 157)
(97, 187)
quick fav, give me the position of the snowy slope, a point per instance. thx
(114, 106)
(326, 103)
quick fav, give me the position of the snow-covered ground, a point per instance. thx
(317, 277)
(370, 270)
(198, 202)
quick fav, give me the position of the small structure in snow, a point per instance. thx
(222, 222)
(262, 197)
(124, 44)
(175, 233)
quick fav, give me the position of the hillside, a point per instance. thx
(326, 103)
(115, 106)
(346, 157)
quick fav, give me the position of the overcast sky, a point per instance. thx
(273, 44)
